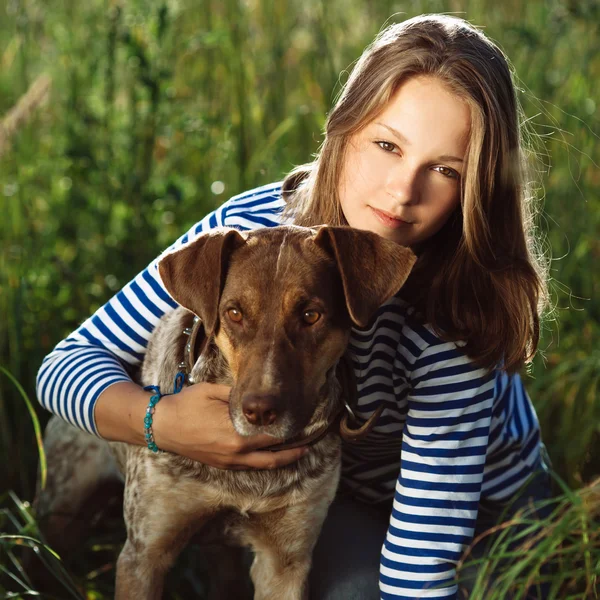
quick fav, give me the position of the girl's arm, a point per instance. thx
(194, 423)
(85, 378)
(444, 446)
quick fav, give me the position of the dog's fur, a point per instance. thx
(274, 360)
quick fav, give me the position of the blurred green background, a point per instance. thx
(124, 122)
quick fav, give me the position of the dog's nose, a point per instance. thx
(260, 409)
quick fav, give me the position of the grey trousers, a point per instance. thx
(346, 557)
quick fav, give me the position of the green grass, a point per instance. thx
(563, 549)
(152, 102)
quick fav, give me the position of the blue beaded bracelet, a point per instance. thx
(154, 399)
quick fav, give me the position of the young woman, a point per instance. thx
(423, 147)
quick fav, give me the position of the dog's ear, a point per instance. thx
(373, 269)
(195, 274)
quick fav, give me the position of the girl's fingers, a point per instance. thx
(216, 391)
(256, 442)
(270, 460)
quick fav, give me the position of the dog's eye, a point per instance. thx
(311, 316)
(235, 315)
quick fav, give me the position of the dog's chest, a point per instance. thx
(168, 479)
(194, 497)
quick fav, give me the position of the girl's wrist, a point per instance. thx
(163, 423)
(119, 413)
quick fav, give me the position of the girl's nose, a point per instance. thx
(404, 186)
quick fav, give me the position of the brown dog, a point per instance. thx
(277, 306)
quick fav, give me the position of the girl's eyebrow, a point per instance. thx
(395, 132)
(404, 140)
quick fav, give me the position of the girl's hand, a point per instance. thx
(195, 423)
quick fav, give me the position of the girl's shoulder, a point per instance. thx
(400, 343)
(256, 194)
(424, 354)
(259, 207)
(418, 348)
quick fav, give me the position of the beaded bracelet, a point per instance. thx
(148, 433)
(154, 399)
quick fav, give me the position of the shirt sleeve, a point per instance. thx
(437, 494)
(113, 340)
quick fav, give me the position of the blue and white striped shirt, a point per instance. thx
(450, 433)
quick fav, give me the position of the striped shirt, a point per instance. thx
(450, 433)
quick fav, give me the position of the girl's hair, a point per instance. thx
(479, 280)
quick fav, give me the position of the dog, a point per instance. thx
(276, 306)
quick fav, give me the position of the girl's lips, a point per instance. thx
(388, 220)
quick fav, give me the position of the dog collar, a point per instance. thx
(188, 353)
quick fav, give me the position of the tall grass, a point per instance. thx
(562, 550)
(159, 110)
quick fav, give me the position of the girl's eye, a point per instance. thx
(447, 172)
(235, 315)
(310, 317)
(386, 146)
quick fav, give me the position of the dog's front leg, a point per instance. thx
(283, 542)
(160, 518)
(138, 576)
(155, 538)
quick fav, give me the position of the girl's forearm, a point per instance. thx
(119, 413)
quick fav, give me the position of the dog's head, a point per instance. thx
(281, 302)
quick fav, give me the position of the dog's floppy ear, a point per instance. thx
(373, 269)
(195, 274)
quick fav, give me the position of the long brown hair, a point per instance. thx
(480, 280)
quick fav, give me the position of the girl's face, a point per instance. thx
(401, 176)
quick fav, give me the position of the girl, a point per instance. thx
(423, 147)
